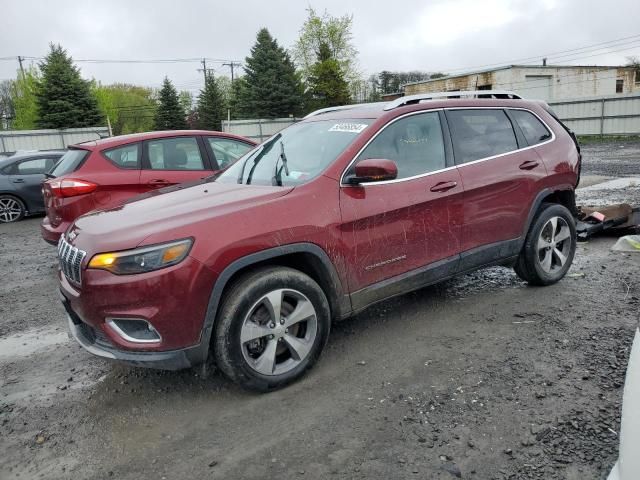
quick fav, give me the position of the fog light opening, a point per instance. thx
(134, 330)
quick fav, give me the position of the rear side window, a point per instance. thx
(414, 143)
(532, 128)
(127, 156)
(481, 133)
(34, 166)
(69, 162)
(180, 153)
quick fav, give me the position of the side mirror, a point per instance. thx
(373, 170)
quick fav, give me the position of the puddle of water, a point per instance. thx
(26, 343)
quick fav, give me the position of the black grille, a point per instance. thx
(70, 259)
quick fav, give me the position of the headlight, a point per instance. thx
(142, 260)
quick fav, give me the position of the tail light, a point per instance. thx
(70, 187)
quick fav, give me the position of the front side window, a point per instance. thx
(180, 153)
(127, 156)
(35, 166)
(297, 154)
(226, 151)
(414, 143)
(532, 128)
(481, 133)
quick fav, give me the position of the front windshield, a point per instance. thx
(295, 155)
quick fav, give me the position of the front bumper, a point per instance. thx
(96, 343)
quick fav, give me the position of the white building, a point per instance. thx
(550, 83)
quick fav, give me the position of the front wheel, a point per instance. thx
(272, 326)
(549, 248)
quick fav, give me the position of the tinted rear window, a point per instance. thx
(478, 134)
(532, 128)
(69, 162)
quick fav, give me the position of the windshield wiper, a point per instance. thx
(277, 174)
(266, 147)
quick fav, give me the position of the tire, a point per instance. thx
(12, 209)
(256, 351)
(549, 247)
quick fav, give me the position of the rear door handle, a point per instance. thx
(159, 181)
(443, 186)
(18, 180)
(529, 165)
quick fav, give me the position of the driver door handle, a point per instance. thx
(529, 165)
(443, 186)
(18, 180)
(159, 181)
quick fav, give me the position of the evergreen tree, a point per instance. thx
(64, 99)
(327, 84)
(170, 115)
(211, 105)
(273, 88)
(237, 98)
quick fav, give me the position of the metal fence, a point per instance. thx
(608, 115)
(259, 129)
(14, 140)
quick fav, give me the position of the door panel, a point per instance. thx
(27, 177)
(498, 190)
(394, 228)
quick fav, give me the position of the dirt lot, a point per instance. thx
(481, 377)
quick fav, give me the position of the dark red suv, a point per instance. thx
(103, 173)
(346, 208)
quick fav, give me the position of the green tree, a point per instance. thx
(273, 87)
(64, 97)
(211, 105)
(236, 98)
(170, 115)
(335, 32)
(25, 102)
(7, 108)
(130, 108)
(326, 82)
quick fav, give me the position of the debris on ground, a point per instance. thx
(617, 219)
(628, 243)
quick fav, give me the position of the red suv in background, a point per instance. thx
(351, 206)
(103, 173)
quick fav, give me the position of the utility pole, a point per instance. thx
(21, 67)
(231, 65)
(204, 69)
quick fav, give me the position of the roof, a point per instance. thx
(33, 154)
(137, 137)
(507, 67)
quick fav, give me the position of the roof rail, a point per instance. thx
(399, 102)
(343, 107)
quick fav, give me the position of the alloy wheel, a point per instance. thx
(10, 209)
(554, 244)
(279, 332)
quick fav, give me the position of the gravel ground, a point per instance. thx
(480, 377)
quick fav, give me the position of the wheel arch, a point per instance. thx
(565, 197)
(307, 258)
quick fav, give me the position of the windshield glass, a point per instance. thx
(69, 162)
(295, 155)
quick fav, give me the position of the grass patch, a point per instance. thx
(587, 139)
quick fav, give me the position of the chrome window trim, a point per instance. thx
(111, 321)
(397, 180)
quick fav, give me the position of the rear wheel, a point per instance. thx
(272, 326)
(11, 209)
(549, 248)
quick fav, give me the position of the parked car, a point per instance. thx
(103, 173)
(21, 178)
(346, 208)
(628, 465)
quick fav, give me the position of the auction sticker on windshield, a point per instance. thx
(348, 127)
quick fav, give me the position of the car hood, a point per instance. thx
(128, 225)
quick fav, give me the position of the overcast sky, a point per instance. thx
(432, 35)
